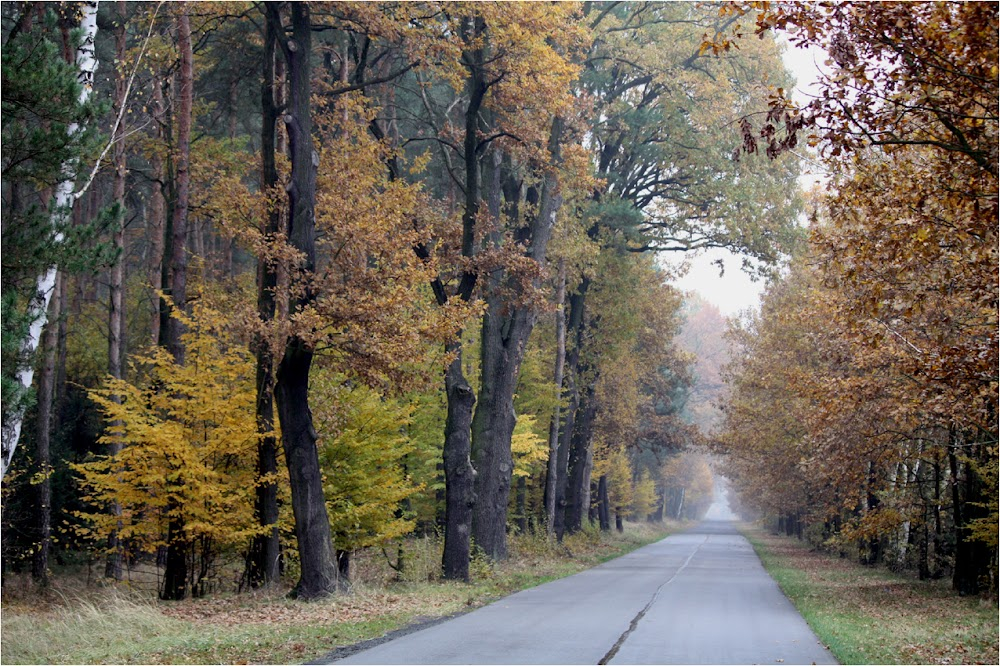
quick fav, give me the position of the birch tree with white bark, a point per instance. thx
(60, 210)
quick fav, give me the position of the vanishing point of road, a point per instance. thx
(697, 597)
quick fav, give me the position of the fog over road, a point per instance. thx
(697, 597)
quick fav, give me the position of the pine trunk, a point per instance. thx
(176, 574)
(43, 450)
(116, 311)
(157, 217)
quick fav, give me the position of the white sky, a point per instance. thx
(735, 291)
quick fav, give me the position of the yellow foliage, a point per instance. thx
(188, 439)
(615, 465)
(644, 496)
(363, 449)
(530, 451)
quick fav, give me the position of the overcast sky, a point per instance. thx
(734, 291)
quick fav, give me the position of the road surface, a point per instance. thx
(698, 597)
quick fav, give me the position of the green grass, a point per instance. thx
(80, 624)
(869, 615)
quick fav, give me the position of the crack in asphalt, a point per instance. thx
(635, 621)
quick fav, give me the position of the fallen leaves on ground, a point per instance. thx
(360, 606)
(922, 622)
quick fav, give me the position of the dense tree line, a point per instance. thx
(327, 274)
(863, 411)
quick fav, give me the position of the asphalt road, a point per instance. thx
(698, 597)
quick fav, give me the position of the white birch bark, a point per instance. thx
(65, 194)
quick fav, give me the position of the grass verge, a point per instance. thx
(873, 616)
(78, 624)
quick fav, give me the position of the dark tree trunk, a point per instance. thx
(157, 216)
(43, 442)
(493, 424)
(505, 332)
(176, 574)
(619, 525)
(552, 467)
(562, 460)
(971, 556)
(872, 548)
(579, 462)
(312, 524)
(264, 550)
(603, 504)
(458, 471)
(577, 303)
(344, 569)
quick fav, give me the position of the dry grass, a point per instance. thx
(81, 623)
(873, 616)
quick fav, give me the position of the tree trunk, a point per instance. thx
(577, 304)
(577, 492)
(603, 504)
(343, 570)
(459, 474)
(176, 574)
(458, 471)
(585, 504)
(157, 216)
(116, 311)
(505, 332)
(552, 468)
(872, 550)
(312, 524)
(619, 525)
(265, 548)
(971, 556)
(43, 455)
(60, 214)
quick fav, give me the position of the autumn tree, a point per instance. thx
(182, 448)
(363, 448)
(662, 143)
(908, 115)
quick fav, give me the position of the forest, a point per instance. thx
(285, 282)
